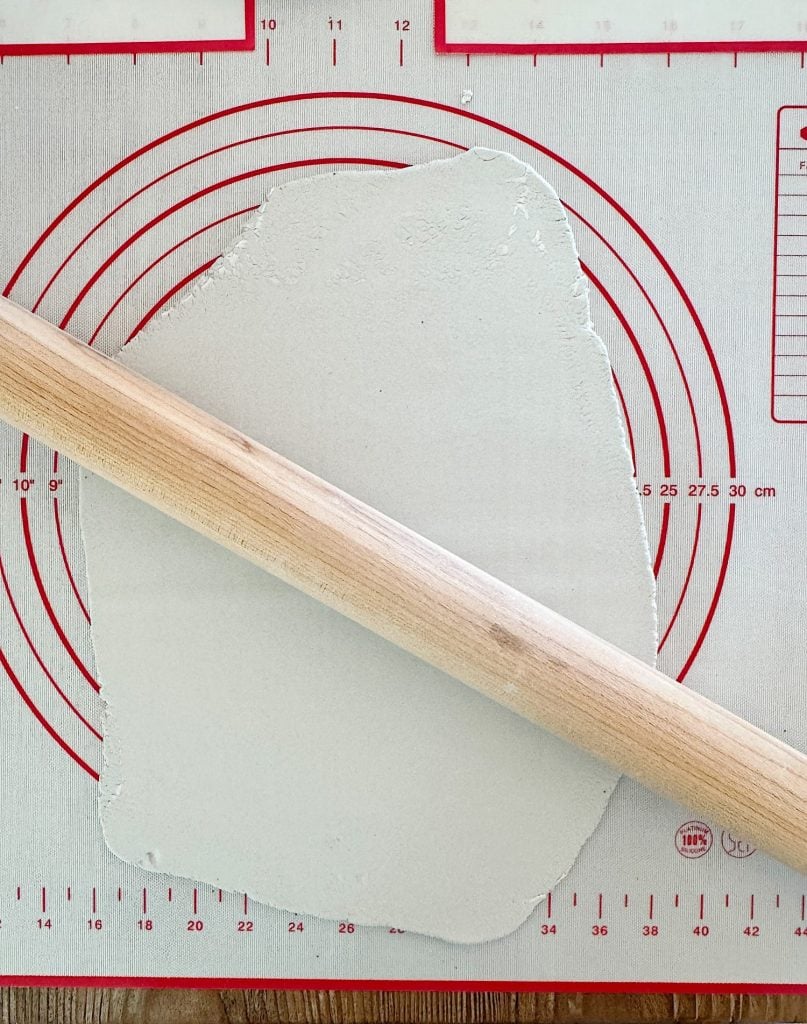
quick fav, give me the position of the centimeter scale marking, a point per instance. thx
(193, 911)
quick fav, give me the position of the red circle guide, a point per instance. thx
(134, 240)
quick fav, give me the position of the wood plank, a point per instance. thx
(268, 1006)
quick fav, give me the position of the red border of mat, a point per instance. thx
(393, 985)
(398, 985)
(157, 46)
(442, 45)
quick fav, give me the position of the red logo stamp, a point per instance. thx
(693, 839)
(736, 847)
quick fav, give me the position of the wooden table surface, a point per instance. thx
(177, 1006)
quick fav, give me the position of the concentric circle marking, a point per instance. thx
(637, 403)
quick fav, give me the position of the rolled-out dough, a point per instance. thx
(420, 338)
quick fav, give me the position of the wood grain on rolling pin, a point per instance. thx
(398, 584)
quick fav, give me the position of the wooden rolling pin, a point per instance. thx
(375, 571)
